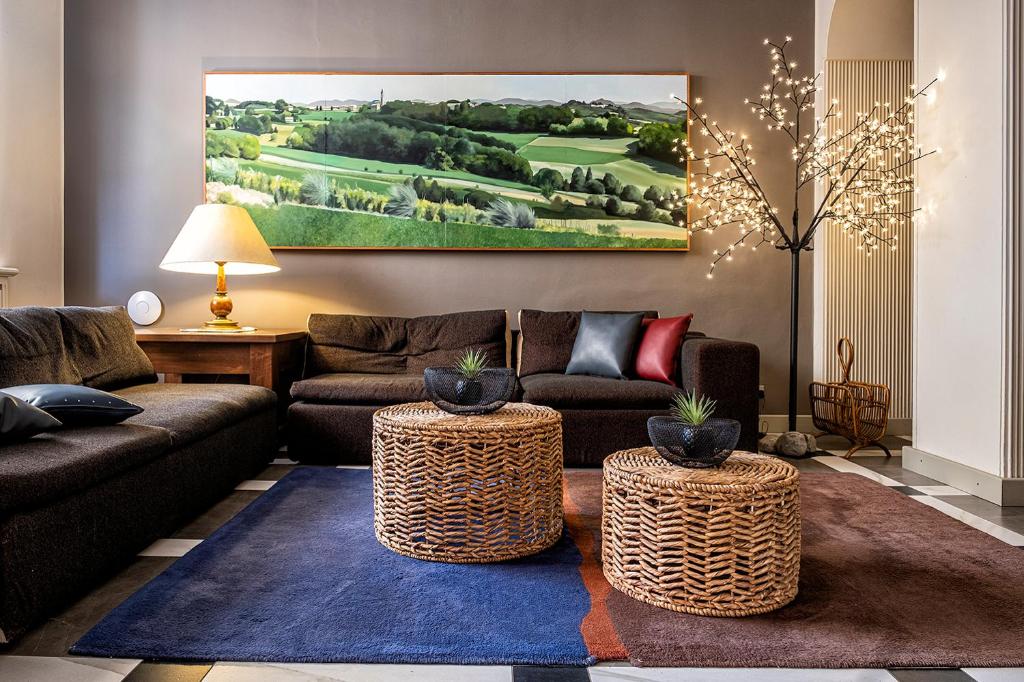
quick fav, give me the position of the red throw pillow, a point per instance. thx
(657, 357)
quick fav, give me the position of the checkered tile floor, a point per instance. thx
(40, 656)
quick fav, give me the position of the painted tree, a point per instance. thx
(863, 167)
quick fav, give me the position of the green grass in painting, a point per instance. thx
(295, 225)
(370, 165)
(326, 115)
(229, 133)
(570, 212)
(626, 170)
(518, 139)
(568, 155)
(602, 155)
(619, 145)
(279, 138)
(342, 179)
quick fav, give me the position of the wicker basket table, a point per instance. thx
(712, 542)
(467, 489)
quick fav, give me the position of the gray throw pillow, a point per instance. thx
(76, 405)
(20, 421)
(604, 344)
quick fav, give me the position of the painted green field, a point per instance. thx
(628, 171)
(400, 169)
(306, 226)
(572, 156)
(326, 116)
(520, 140)
(229, 133)
(603, 155)
(342, 179)
(613, 145)
(570, 216)
(573, 217)
(278, 139)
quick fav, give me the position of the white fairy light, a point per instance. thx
(864, 170)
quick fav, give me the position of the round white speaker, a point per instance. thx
(145, 308)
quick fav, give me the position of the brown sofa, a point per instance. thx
(358, 364)
(79, 503)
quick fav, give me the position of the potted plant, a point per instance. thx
(468, 388)
(689, 436)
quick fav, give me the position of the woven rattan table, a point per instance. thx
(712, 542)
(467, 489)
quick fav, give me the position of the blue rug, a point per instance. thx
(299, 576)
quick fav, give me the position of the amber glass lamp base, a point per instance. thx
(220, 306)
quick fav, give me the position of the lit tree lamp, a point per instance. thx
(218, 239)
(864, 169)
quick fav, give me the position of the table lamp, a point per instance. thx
(218, 239)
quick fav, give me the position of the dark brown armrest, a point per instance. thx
(727, 372)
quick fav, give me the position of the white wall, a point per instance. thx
(958, 247)
(31, 149)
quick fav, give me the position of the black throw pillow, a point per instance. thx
(604, 344)
(76, 405)
(20, 421)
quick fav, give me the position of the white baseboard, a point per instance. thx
(1006, 492)
(777, 423)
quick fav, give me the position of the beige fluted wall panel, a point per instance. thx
(867, 298)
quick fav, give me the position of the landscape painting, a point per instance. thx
(450, 161)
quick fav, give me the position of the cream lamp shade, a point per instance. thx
(219, 233)
(220, 240)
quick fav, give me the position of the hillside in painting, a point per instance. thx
(516, 171)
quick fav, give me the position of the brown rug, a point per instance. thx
(885, 582)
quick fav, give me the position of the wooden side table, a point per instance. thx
(270, 357)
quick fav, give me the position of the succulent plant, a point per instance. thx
(472, 362)
(687, 408)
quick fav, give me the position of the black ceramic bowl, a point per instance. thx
(452, 392)
(706, 445)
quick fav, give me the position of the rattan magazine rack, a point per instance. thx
(854, 410)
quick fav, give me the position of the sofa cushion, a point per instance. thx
(20, 420)
(589, 392)
(54, 465)
(657, 355)
(546, 339)
(32, 349)
(76, 405)
(192, 411)
(604, 344)
(101, 344)
(400, 345)
(361, 389)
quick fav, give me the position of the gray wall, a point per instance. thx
(134, 158)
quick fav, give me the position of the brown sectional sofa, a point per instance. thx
(79, 503)
(358, 364)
